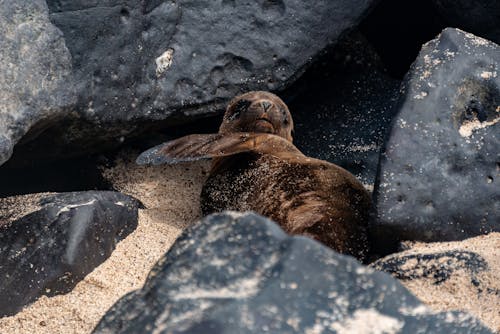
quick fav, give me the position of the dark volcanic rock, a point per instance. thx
(236, 273)
(438, 178)
(461, 275)
(148, 59)
(343, 106)
(143, 64)
(48, 251)
(481, 17)
(35, 72)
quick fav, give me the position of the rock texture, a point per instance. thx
(236, 273)
(478, 17)
(342, 107)
(438, 178)
(461, 275)
(149, 59)
(62, 239)
(140, 63)
(35, 72)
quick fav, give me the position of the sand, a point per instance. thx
(458, 292)
(15, 207)
(171, 197)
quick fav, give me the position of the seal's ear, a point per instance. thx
(206, 146)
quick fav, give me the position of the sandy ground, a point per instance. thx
(171, 196)
(458, 292)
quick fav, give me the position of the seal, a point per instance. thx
(256, 167)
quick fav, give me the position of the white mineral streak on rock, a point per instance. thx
(72, 206)
(488, 74)
(420, 96)
(468, 127)
(368, 321)
(164, 61)
(415, 311)
(243, 288)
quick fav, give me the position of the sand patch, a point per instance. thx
(171, 197)
(15, 207)
(480, 297)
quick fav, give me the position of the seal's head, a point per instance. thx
(260, 112)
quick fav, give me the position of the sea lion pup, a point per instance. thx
(256, 167)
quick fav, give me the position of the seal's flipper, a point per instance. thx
(206, 146)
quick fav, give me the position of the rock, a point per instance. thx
(153, 60)
(35, 72)
(141, 64)
(438, 178)
(343, 106)
(461, 275)
(478, 17)
(240, 273)
(60, 240)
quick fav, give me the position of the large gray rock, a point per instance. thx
(234, 273)
(143, 64)
(159, 59)
(62, 239)
(35, 72)
(438, 178)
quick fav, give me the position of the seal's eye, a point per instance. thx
(236, 110)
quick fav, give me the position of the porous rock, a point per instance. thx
(149, 59)
(240, 273)
(61, 239)
(461, 275)
(439, 175)
(143, 64)
(35, 72)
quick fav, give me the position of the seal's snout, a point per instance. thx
(266, 105)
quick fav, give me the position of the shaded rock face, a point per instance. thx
(234, 273)
(35, 72)
(49, 250)
(149, 59)
(462, 275)
(438, 178)
(478, 17)
(139, 63)
(343, 106)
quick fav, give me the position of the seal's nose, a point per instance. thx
(266, 105)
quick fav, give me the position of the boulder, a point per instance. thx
(155, 60)
(35, 72)
(438, 177)
(145, 64)
(62, 238)
(342, 107)
(462, 275)
(240, 273)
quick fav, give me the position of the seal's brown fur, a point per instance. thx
(256, 167)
